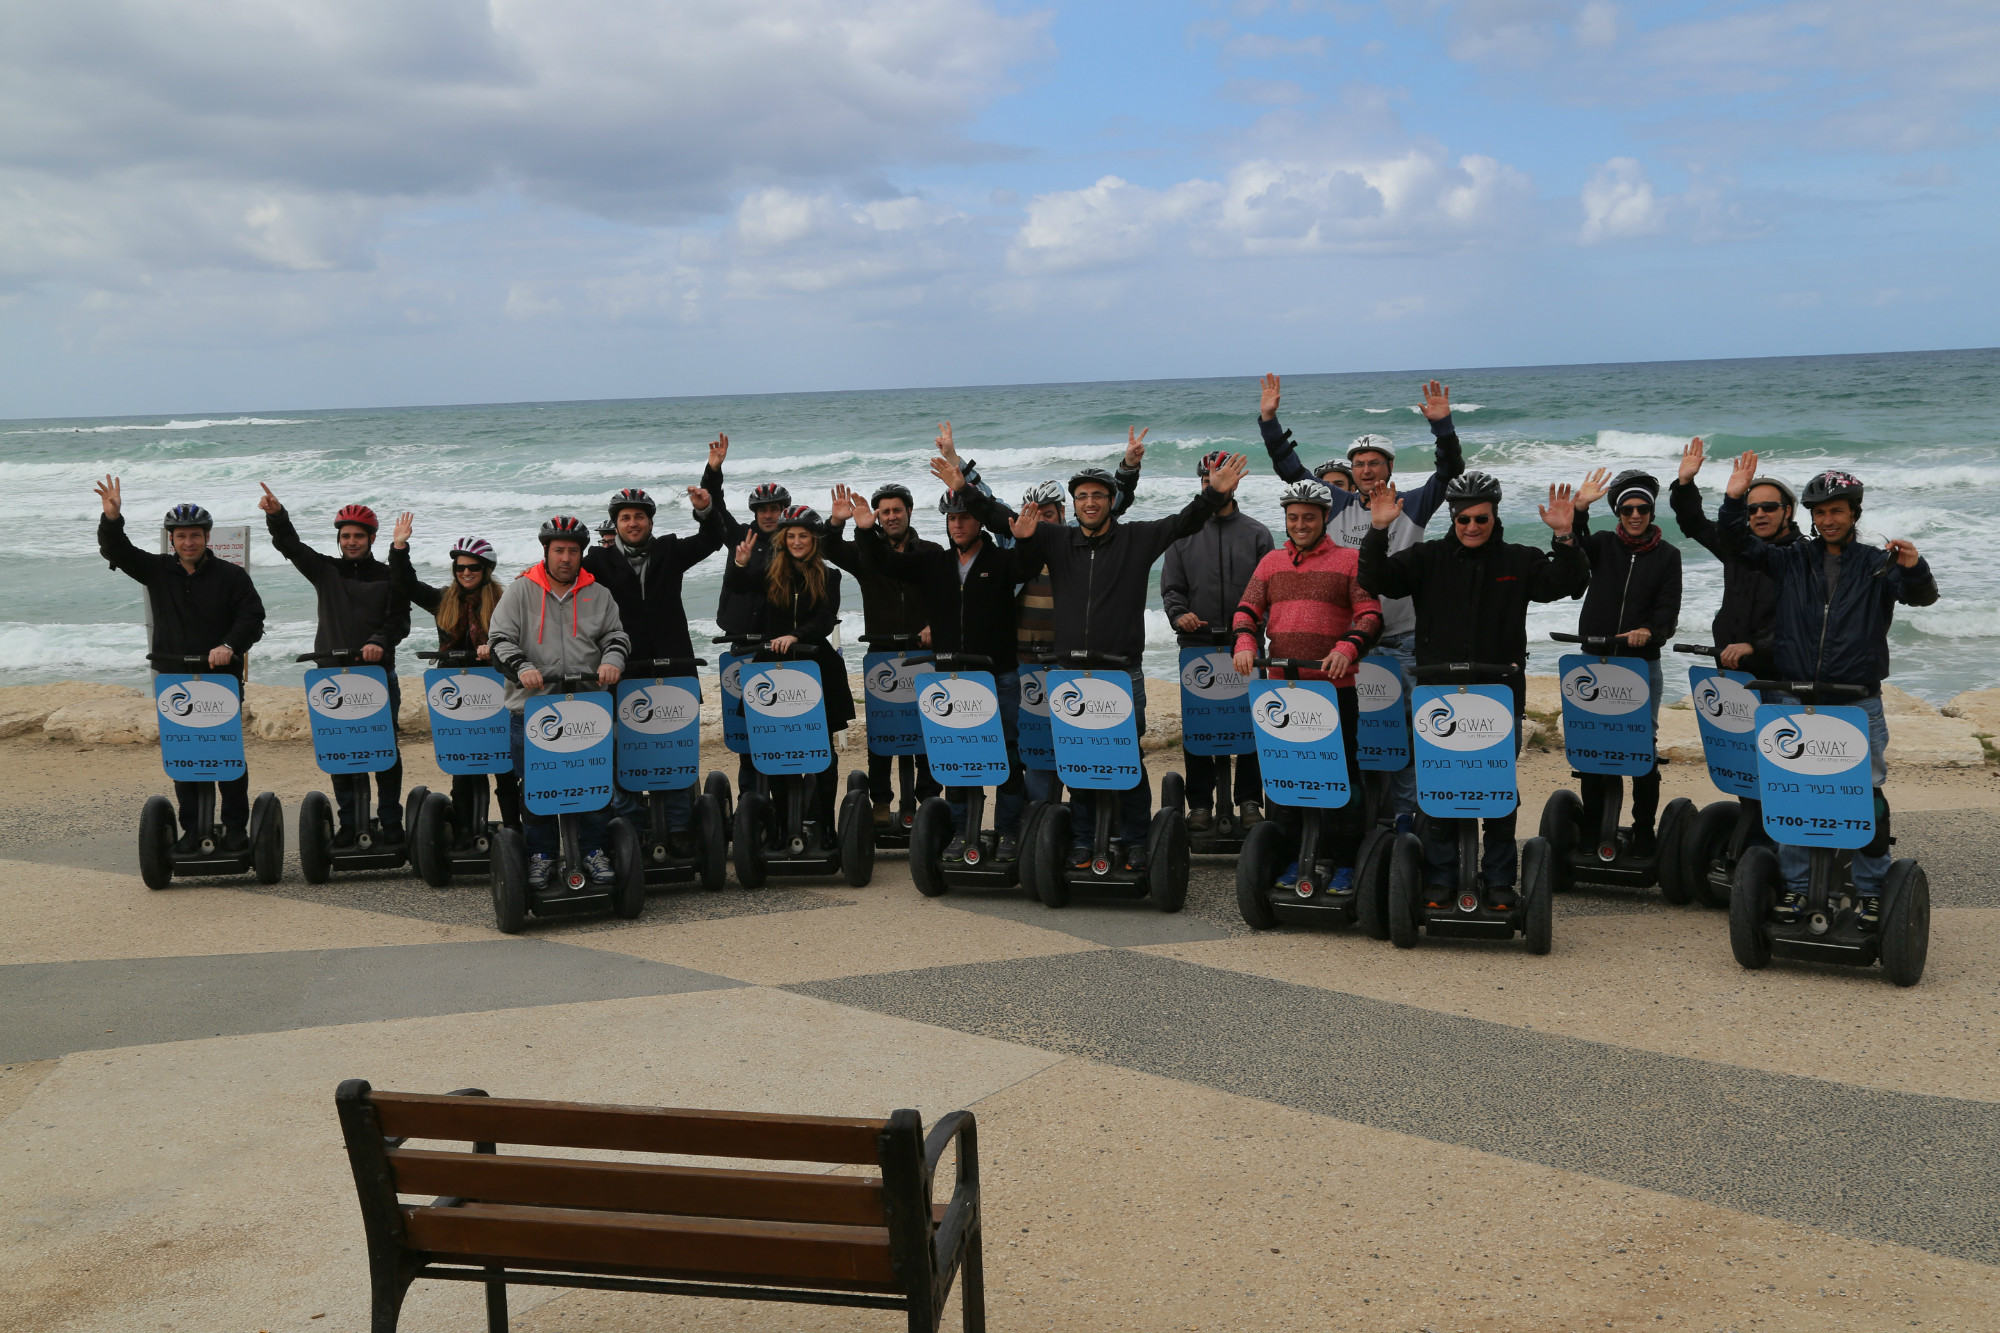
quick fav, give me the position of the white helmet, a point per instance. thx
(1307, 492)
(1378, 443)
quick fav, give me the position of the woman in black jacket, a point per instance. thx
(463, 612)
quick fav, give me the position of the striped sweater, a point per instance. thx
(1304, 603)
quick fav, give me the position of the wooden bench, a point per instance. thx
(876, 1242)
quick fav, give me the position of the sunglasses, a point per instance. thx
(1629, 511)
(1472, 520)
(1766, 507)
(467, 569)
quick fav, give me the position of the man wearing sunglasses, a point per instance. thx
(1745, 627)
(1635, 597)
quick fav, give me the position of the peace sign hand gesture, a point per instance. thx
(745, 547)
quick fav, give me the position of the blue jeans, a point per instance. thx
(1869, 871)
(1007, 812)
(350, 789)
(1403, 782)
(542, 832)
(1135, 806)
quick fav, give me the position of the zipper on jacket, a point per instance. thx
(1631, 563)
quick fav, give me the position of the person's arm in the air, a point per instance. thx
(1448, 457)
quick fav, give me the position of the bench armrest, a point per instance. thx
(960, 1226)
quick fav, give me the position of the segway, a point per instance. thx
(469, 737)
(1215, 721)
(1464, 739)
(889, 680)
(1303, 754)
(784, 720)
(959, 707)
(1814, 779)
(1608, 735)
(201, 740)
(1714, 839)
(659, 751)
(567, 772)
(354, 733)
(1097, 751)
(1038, 752)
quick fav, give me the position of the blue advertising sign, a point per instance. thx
(201, 726)
(962, 731)
(353, 729)
(469, 722)
(1096, 738)
(1301, 750)
(1813, 776)
(1727, 716)
(1607, 718)
(1038, 747)
(1465, 750)
(1215, 704)
(659, 733)
(784, 711)
(730, 669)
(1382, 736)
(890, 682)
(568, 753)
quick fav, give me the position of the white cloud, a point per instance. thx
(1109, 222)
(1618, 202)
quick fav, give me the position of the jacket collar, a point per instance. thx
(538, 574)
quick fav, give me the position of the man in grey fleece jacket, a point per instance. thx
(557, 620)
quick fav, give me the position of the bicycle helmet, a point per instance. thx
(1211, 461)
(895, 490)
(188, 516)
(950, 503)
(1832, 485)
(607, 528)
(565, 528)
(1045, 493)
(1340, 465)
(1094, 474)
(769, 493)
(1633, 480)
(801, 516)
(1791, 496)
(1306, 492)
(1471, 488)
(478, 548)
(358, 514)
(632, 498)
(1378, 443)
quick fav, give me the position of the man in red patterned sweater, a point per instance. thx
(1306, 600)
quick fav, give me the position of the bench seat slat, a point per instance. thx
(834, 1139)
(776, 1196)
(700, 1249)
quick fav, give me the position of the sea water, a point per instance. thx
(1919, 428)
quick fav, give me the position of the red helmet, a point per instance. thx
(361, 514)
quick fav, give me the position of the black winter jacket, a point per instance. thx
(359, 603)
(649, 605)
(1205, 573)
(973, 615)
(810, 621)
(1629, 591)
(1749, 610)
(192, 613)
(1833, 613)
(888, 605)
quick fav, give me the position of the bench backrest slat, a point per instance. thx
(640, 1187)
(833, 1139)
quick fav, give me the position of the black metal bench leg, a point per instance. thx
(972, 1285)
(496, 1302)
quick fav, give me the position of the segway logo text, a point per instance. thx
(568, 725)
(659, 709)
(1465, 722)
(1605, 687)
(1034, 698)
(1724, 703)
(958, 703)
(1091, 704)
(198, 703)
(466, 698)
(782, 692)
(1377, 689)
(1298, 717)
(1813, 744)
(1213, 676)
(892, 681)
(347, 698)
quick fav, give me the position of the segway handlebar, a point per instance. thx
(1697, 649)
(958, 661)
(1442, 669)
(1604, 645)
(338, 657)
(1079, 660)
(1809, 691)
(184, 661)
(1036, 656)
(1288, 663)
(739, 640)
(664, 666)
(1210, 638)
(887, 642)
(453, 657)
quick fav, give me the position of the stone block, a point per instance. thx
(1979, 707)
(26, 708)
(108, 720)
(275, 713)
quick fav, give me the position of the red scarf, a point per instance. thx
(1642, 543)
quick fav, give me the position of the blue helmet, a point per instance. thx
(188, 516)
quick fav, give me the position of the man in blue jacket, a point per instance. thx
(1836, 598)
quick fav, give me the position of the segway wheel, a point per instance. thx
(1704, 842)
(1257, 867)
(1560, 821)
(1051, 849)
(712, 846)
(628, 869)
(156, 842)
(857, 834)
(717, 785)
(1026, 868)
(1173, 792)
(1669, 867)
(510, 880)
(1167, 860)
(1753, 893)
(857, 780)
(1906, 922)
(267, 838)
(1371, 879)
(928, 837)
(430, 840)
(316, 837)
(1538, 927)
(752, 826)
(413, 805)
(1406, 889)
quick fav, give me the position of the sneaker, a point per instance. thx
(955, 849)
(1080, 856)
(344, 840)
(1200, 820)
(1009, 848)
(1342, 881)
(391, 834)
(599, 866)
(1642, 843)
(883, 818)
(1869, 913)
(539, 866)
(680, 843)
(1249, 813)
(1288, 876)
(187, 844)
(1790, 904)
(1500, 897)
(236, 841)
(1406, 823)
(1135, 859)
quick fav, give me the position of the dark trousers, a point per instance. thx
(1343, 828)
(1135, 806)
(351, 789)
(1496, 857)
(233, 809)
(1248, 784)
(467, 786)
(543, 833)
(914, 770)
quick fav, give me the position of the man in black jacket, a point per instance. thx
(1635, 597)
(1471, 589)
(360, 609)
(1101, 571)
(1745, 627)
(203, 606)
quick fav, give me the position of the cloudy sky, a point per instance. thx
(240, 204)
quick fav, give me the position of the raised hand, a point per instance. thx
(842, 507)
(947, 470)
(1903, 552)
(1437, 401)
(1560, 512)
(1741, 475)
(1691, 459)
(698, 499)
(1385, 506)
(1594, 486)
(112, 492)
(1267, 398)
(944, 442)
(406, 523)
(269, 503)
(718, 449)
(1188, 622)
(864, 515)
(1225, 478)
(1024, 525)
(1135, 445)
(746, 547)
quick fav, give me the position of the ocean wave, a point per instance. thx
(204, 424)
(1377, 411)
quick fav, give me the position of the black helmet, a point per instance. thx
(1471, 488)
(606, 528)
(632, 498)
(1832, 485)
(1340, 465)
(188, 516)
(951, 503)
(565, 528)
(770, 493)
(801, 516)
(1094, 474)
(1632, 479)
(895, 490)
(1211, 461)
